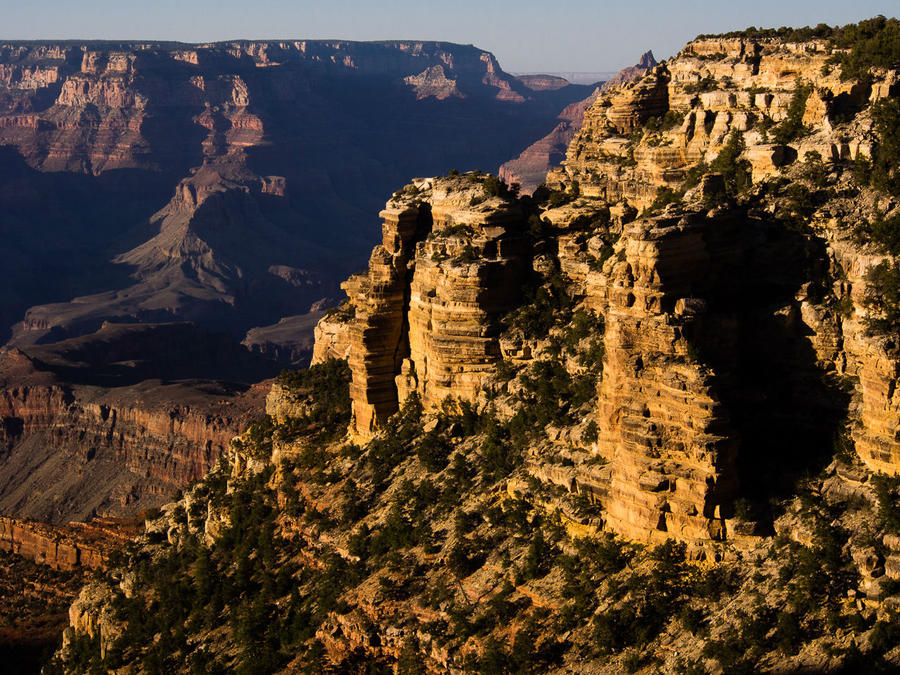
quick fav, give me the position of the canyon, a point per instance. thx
(643, 419)
(146, 186)
(229, 184)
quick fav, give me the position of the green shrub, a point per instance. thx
(494, 187)
(326, 388)
(467, 255)
(814, 169)
(433, 451)
(558, 198)
(791, 127)
(871, 43)
(885, 234)
(735, 171)
(707, 83)
(672, 119)
(664, 197)
(783, 34)
(883, 298)
(885, 166)
(887, 492)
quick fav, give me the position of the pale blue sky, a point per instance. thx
(562, 35)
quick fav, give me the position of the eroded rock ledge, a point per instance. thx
(426, 314)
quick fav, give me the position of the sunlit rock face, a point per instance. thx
(426, 314)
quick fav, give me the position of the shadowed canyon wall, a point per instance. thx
(231, 184)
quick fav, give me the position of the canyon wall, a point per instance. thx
(678, 399)
(736, 347)
(72, 452)
(679, 416)
(710, 89)
(118, 421)
(49, 546)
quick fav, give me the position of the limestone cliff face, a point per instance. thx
(426, 314)
(468, 272)
(661, 421)
(711, 88)
(873, 361)
(332, 339)
(688, 299)
(735, 344)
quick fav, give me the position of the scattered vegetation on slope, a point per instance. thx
(407, 553)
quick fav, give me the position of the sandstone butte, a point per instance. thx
(693, 300)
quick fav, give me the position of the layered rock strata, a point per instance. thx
(55, 547)
(426, 315)
(133, 455)
(873, 361)
(661, 421)
(712, 88)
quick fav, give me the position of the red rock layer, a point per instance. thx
(109, 452)
(49, 546)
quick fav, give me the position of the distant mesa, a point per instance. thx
(157, 182)
(543, 82)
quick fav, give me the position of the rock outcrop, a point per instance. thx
(677, 346)
(60, 548)
(332, 336)
(667, 389)
(709, 90)
(426, 315)
(630, 74)
(530, 168)
(661, 421)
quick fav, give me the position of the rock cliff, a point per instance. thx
(705, 296)
(88, 428)
(426, 315)
(225, 183)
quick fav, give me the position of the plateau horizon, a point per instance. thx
(575, 36)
